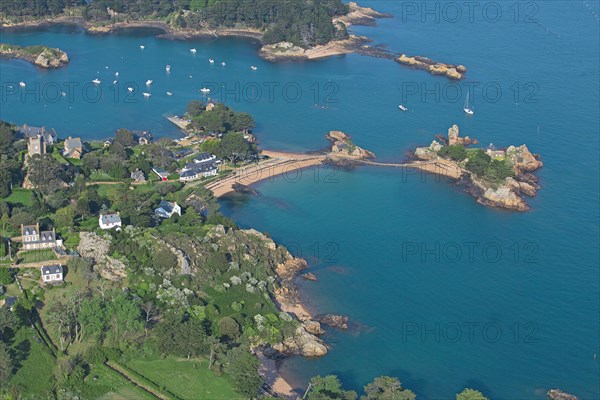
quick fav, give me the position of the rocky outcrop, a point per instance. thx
(451, 71)
(454, 137)
(41, 56)
(428, 153)
(358, 15)
(557, 394)
(335, 321)
(282, 51)
(309, 276)
(96, 248)
(522, 159)
(302, 343)
(343, 146)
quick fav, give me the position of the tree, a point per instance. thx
(243, 369)
(234, 148)
(387, 388)
(65, 217)
(242, 122)
(478, 162)
(229, 327)
(124, 137)
(45, 173)
(8, 322)
(6, 363)
(194, 108)
(455, 152)
(150, 315)
(328, 388)
(471, 394)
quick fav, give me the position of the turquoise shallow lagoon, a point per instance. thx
(444, 293)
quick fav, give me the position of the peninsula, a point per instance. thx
(40, 56)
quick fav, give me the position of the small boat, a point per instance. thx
(403, 107)
(96, 81)
(106, 67)
(193, 51)
(253, 67)
(130, 89)
(205, 90)
(149, 82)
(114, 82)
(147, 94)
(468, 110)
(116, 74)
(169, 94)
(22, 84)
(210, 60)
(142, 47)
(168, 68)
(63, 94)
(223, 63)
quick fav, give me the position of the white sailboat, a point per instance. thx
(116, 74)
(223, 63)
(142, 47)
(468, 110)
(205, 90)
(253, 67)
(22, 84)
(193, 51)
(403, 107)
(169, 94)
(149, 82)
(147, 94)
(210, 60)
(168, 68)
(96, 81)
(130, 89)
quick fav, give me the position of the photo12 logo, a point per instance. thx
(318, 93)
(476, 92)
(453, 12)
(470, 332)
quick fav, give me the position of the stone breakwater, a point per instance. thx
(510, 193)
(41, 56)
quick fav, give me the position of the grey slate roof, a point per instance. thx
(52, 269)
(110, 219)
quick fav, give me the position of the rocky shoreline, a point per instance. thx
(40, 56)
(509, 193)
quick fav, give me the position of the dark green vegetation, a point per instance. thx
(303, 22)
(220, 119)
(484, 166)
(479, 163)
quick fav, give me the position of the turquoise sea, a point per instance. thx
(443, 292)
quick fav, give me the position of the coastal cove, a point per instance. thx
(385, 275)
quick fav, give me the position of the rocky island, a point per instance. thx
(496, 177)
(41, 56)
(451, 71)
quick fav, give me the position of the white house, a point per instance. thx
(52, 273)
(33, 239)
(110, 221)
(166, 209)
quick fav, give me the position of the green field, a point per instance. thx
(106, 384)
(19, 197)
(186, 379)
(37, 365)
(36, 256)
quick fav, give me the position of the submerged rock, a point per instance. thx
(333, 320)
(557, 394)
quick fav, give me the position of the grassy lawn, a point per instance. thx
(187, 379)
(36, 365)
(19, 197)
(37, 256)
(105, 384)
(99, 176)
